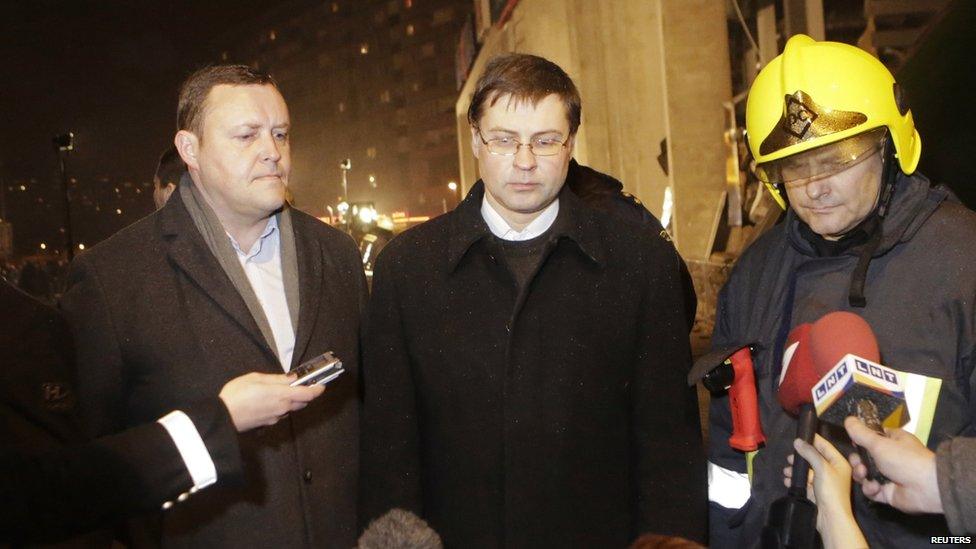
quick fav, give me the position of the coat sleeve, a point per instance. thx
(390, 450)
(101, 375)
(670, 463)
(729, 487)
(50, 496)
(956, 473)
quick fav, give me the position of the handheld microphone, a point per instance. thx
(792, 520)
(845, 353)
(399, 529)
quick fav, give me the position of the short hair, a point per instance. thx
(196, 88)
(170, 168)
(524, 77)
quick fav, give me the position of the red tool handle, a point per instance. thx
(747, 432)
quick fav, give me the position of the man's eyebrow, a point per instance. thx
(247, 125)
(512, 132)
(496, 129)
(258, 126)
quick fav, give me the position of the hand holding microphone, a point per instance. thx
(256, 399)
(792, 519)
(912, 485)
(830, 489)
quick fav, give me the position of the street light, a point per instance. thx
(453, 186)
(345, 166)
(63, 145)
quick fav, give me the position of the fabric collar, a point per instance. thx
(830, 248)
(913, 202)
(260, 243)
(216, 238)
(500, 228)
(468, 226)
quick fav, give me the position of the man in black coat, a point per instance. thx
(53, 484)
(250, 284)
(524, 354)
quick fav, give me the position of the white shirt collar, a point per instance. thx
(500, 228)
(258, 246)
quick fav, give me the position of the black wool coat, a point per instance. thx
(554, 417)
(159, 325)
(52, 485)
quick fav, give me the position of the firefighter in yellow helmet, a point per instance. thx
(835, 144)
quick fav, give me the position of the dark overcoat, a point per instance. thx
(553, 417)
(52, 486)
(158, 325)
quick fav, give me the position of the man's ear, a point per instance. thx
(475, 141)
(188, 145)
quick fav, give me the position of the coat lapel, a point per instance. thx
(189, 253)
(313, 264)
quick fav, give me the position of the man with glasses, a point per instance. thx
(836, 146)
(524, 354)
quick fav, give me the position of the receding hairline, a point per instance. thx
(205, 105)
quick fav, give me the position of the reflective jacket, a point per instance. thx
(921, 293)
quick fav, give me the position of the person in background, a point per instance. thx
(169, 171)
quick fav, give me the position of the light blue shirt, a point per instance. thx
(262, 265)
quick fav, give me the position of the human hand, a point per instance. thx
(904, 460)
(829, 486)
(256, 399)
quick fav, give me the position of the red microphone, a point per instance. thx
(852, 382)
(795, 379)
(838, 334)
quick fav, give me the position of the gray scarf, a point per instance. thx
(219, 243)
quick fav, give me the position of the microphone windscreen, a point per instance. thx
(799, 375)
(399, 529)
(841, 333)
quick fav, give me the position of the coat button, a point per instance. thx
(492, 258)
(508, 327)
(307, 476)
(167, 505)
(183, 497)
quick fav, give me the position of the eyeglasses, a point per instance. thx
(509, 146)
(823, 161)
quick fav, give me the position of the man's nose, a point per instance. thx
(525, 158)
(270, 149)
(817, 188)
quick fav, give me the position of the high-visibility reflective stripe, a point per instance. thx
(728, 488)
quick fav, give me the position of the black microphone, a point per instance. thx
(792, 519)
(399, 529)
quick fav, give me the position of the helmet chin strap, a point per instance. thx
(889, 173)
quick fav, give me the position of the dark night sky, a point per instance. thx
(108, 71)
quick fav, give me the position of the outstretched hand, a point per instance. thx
(829, 486)
(904, 460)
(256, 399)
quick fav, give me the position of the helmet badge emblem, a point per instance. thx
(802, 120)
(799, 117)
